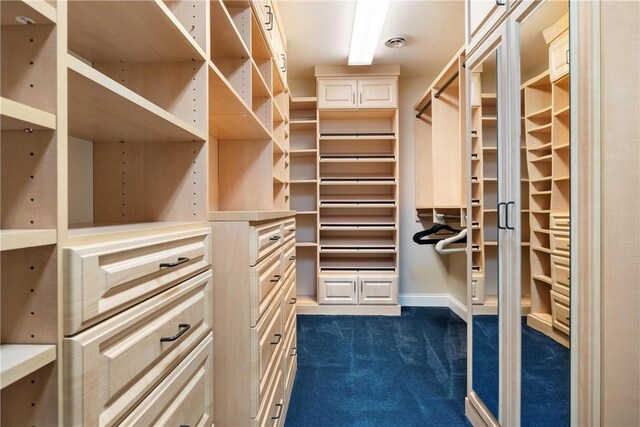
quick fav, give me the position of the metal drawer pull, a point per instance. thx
(184, 327)
(269, 23)
(275, 238)
(180, 260)
(294, 352)
(293, 258)
(278, 337)
(292, 230)
(276, 278)
(501, 2)
(279, 413)
(293, 301)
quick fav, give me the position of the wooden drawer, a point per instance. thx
(290, 358)
(289, 229)
(264, 239)
(560, 221)
(289, 255)
(560, 243)
(560, 312)
(184, 397)
(103, 279)
(265, 279)
(271, 412)
(269, 337)
(289, 299)
(110, 367)
(560, 275)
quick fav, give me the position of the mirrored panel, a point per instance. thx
(545, 286)
(485, 184)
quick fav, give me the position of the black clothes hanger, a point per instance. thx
(436, 230)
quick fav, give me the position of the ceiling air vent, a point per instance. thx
(395, 42)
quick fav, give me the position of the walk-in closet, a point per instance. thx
(319, 213)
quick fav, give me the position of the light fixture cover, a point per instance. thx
(367, 26)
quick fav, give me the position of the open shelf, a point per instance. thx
(229, 115)
(17, 116)
(138, 31)
(40, 11)
(26, 238)
(357, 264)
(373, 242)
(355, 221)
(20, 360)
(302, 125)
(101, 109)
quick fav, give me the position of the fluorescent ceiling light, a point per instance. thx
(367, 26)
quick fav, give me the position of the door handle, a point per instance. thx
(360, 98)
(353, 96)
(183, 327)
(279, 413)
(276, 278)
(180, 260)
(507, 215)
(269, 23)
(500, 216)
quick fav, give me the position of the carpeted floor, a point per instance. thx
(411, 371)
(380, 371)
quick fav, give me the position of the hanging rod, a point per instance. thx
(437, 95)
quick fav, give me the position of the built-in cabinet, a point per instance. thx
(365, 92)
(361, 289)
(254, 316)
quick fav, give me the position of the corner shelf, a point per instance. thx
(101, 109)
(38, 10)
(20, 360)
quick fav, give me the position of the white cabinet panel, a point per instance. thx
(558, 57)
(377, 93)
(337, 93)
(379, 289)
(334, 289)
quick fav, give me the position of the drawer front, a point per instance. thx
(336, 289)
(560, 312)
(289, 300)
(560, 275)
(266, 279)
(264, 239)
(272, 409)
(289, 254)
(269, 336)
(379, 289)
(289, 229)
(560, 221)
(107, 278)
(111, 366)
(291, 358)
(560, 243)
(185, 397)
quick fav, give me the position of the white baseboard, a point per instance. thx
(434, 300)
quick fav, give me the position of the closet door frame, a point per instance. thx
(509, 336)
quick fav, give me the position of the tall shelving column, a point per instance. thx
(29, 150)
(304, 193)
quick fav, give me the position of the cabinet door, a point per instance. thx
(379, 289)
(558, 52)
(334, 289)
(377, 93)
(337, 93)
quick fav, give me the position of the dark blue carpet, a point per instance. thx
(545, 373)
(381, 371)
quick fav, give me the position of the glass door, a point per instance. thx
(489, 255)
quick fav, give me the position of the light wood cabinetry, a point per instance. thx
(482, 17)
(439, 155)
(254, 316)
(30, 142)
(546, 122)
(363, 92)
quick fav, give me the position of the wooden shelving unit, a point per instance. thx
(248, 115)
(29, 150)
(304, 191)
(546, 109)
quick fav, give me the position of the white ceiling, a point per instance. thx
(319, 33)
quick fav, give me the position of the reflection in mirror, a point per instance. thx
(545, 380)
(484, 189)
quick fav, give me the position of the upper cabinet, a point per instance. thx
(557, 37)
(364, 92)
(267, 12)
(482, 16)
